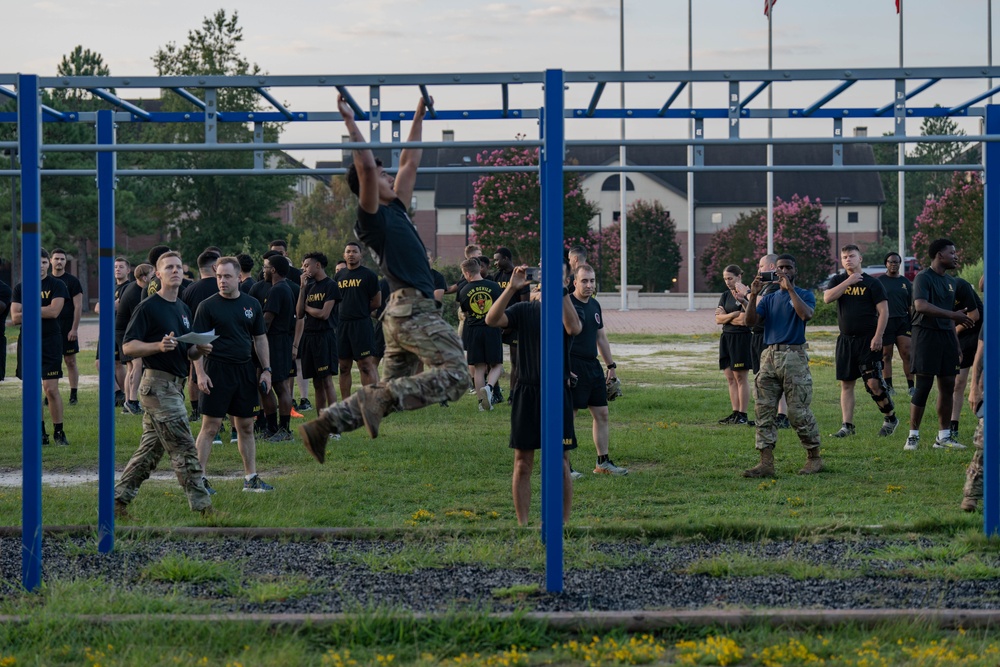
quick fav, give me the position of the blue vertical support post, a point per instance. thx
(551, 174)
(29, 122)
(106, 296)
(991, 403)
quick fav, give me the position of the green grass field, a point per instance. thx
(443, 475)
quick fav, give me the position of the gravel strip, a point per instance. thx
(653, 578)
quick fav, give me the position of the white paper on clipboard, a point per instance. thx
(193, 338)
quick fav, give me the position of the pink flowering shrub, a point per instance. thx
(508, 206)
(957, 215)
(798, 230)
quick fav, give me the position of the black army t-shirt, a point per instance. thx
(52, 288)
(584, 343)
(526, 319)
(153, 319)
(317, 293)
(476, 299)
(966, 299)
(127, 303)
(937, 290)
(73, 287)
(357, 288)
(899, 294)
(729, 304)
(198, 292)
(856, 311)
(236, 322)
(278, 300)
(397, 247)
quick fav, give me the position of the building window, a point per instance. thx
(716, 218)
(852, 216)
(611, 184)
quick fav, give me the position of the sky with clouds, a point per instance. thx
(396, 37)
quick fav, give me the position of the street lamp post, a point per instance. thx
(466, 160)
(836, 238)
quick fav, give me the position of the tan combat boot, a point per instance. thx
(374, 403)
(969, 504)
(813, 462)
(766, 466)
(314, 434)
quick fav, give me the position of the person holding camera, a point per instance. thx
(765, 267)
(784, 367)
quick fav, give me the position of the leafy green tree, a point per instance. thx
(216, 210)
(923, 185)
(799, 230)
(957, 215)
(508, 206)
(324, 221)
(654, 256)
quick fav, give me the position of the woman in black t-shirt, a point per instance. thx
(734, 345)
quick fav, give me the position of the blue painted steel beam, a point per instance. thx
(552, 328)
(991, 332)
(275, 103)
(916, 91)
(978, 98)
(193, 99)
(431, 111)
(826, 98)
(106, 343)
(30, 138)
(120, 103)
(358, 111)
(757, 91)
(670, 100)
(595, 98)
(54, 113)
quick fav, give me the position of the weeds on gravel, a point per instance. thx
(746, 565)
(181, 568)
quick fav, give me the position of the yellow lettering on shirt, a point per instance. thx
(46, 295)
(349, 282)
(855, 291)
(316, 296)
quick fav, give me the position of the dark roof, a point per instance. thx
(711, 188)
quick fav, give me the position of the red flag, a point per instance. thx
(770, 3)
(897, 6)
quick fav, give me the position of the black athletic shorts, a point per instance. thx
(51, 358)
(3, 357)
(526, 418)
(233, 392)
(318, 352)
(853, 352)
(933, 352)
(355, 339)
(378, 336)
(969, 344)
(756, 349)
(591, 388)
(734, 351)
(69, 346)
(482, 345)
(279, 348)
(894, 328)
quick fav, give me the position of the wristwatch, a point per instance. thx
(266, 369)
(612, 366)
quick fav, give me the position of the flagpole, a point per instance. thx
(901, 156)
(622, 182)
(770, 147)
(690, 174)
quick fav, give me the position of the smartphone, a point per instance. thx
(263, 388)
(533, 273)
(768, 276)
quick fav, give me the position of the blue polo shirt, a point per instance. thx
(782, 325)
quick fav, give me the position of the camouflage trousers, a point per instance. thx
(974, 473)
(164, 429)
(415, 333)
(784, 371)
